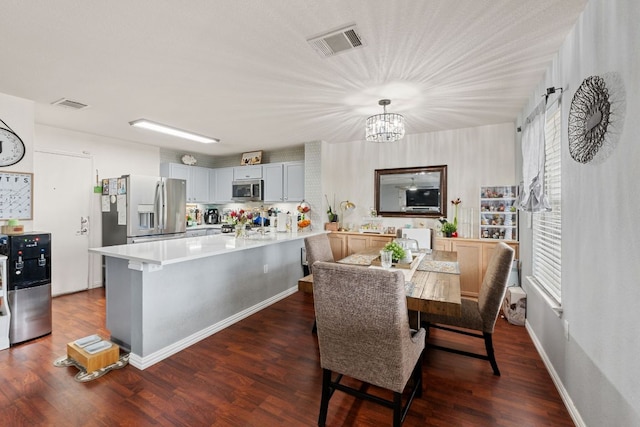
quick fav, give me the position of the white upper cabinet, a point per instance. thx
(197, 180)
(283, 182)
(273, 182)
(220, 185)
(247, 172)
(175, 170)
(200, 184)
(294, 181)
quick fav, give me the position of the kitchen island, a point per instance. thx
(164, 296)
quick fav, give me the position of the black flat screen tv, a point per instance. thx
(423, 199)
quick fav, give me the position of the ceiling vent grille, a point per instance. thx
(67, 103)
(336, 41)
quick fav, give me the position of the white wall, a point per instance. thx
(111, 157)
(597, 366)
(474, 157)
(18, 114)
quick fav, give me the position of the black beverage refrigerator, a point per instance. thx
(28, 284)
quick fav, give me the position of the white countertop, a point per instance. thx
(173, 251)
(204, 226)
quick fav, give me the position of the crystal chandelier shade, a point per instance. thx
(386, 127)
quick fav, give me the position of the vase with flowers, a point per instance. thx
(240, 218)
(455, 204)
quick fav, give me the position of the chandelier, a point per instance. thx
(385, 127)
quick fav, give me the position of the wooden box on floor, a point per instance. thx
(93, 362)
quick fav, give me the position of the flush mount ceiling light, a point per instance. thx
(386, 127)
(169, 130)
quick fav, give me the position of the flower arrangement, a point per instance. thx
(330, 214)
(455, 203)
(240, 217)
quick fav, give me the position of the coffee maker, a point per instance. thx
(212, 216)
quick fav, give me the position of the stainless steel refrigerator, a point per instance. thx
(142, 208)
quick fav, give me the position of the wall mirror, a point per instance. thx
(412, 192)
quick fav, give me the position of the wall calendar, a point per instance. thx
(16, 195)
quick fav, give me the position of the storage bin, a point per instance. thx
(514, 305)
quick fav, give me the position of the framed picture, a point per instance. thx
(251, 158)
(16, 195)
(391, 230)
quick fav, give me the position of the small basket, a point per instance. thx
(331, 226)
(12, 229)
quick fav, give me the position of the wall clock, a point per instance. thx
(11, 146)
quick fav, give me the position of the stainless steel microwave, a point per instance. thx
(249, 190)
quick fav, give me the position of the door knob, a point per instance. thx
(84, 226)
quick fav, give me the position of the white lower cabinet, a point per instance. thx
(283, 182)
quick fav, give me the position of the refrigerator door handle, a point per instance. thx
(165, 208)
(157, 208)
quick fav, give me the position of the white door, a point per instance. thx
(63, 184)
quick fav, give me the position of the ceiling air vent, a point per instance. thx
(75, 105)
(336, 41)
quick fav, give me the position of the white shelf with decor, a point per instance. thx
(372, 225)
(498, 213)
(5, 313)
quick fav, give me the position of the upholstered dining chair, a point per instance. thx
(479, 315)
(317, 248)
(363, 333)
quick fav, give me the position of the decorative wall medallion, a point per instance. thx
(189, 160)
(595, 118)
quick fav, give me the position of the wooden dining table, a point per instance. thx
(432, 280)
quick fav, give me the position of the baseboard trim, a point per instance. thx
(155, 357)
(568, 403)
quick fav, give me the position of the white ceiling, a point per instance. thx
(242, 71)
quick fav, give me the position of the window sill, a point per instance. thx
(555, 305)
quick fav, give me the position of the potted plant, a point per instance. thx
(448, 228)
(396, 250)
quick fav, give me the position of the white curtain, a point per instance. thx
(532, 197)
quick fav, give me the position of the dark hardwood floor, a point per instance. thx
(262, 371)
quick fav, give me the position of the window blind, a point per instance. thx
(547, 226)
